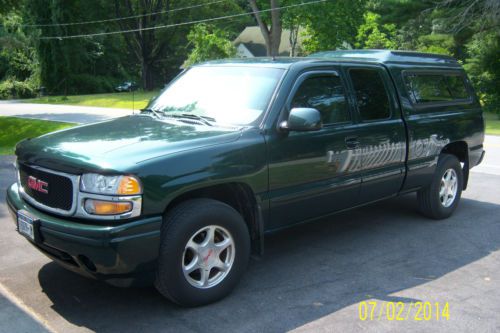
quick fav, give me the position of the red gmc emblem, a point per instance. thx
(38, 185)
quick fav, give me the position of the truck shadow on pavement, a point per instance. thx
(308, 272)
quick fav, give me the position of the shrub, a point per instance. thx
(483, 68)
(13, 89)
(88, 84)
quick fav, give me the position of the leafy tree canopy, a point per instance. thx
(373, 35)
(466, 29)
(208, 43)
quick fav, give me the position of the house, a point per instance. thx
(250, 43)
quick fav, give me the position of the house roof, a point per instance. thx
(253, 40)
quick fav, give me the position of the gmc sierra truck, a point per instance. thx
(183, 193)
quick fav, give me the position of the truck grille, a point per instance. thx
(56, 194)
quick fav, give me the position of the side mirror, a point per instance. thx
(302, 120)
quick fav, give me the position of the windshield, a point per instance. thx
(228, 95)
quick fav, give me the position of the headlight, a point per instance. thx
(111, 185)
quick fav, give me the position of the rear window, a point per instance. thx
(436, 87)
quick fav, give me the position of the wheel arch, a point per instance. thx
(239, 196)
(460, 149)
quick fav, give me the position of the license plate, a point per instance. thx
(26, 225)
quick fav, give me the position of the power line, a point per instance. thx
(181, 23)
(121, 18)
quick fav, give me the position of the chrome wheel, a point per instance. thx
(448, 188)
(208, 257)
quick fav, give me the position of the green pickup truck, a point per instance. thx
(182, 194)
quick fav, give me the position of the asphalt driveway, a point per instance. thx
(312, 277)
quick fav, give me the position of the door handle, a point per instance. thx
(352, 142)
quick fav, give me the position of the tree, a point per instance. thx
(161, 50)
(147, 45)
(87, 64)
(461, 14)
(373, 35)
(330, 25)
(272, 32)
(324, 26)
(469, 30)
(7, 6)
(18, 61)
(208, 43)
(483, 67)
(437, 43)
(17, 55)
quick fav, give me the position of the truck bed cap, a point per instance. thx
(387, 56)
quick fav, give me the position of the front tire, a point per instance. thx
(204, 250)
(440, 199)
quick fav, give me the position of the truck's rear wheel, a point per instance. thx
(441, 197)
(205, 247)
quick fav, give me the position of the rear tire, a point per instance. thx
(440, 199)
(204, 250)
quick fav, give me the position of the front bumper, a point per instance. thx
(121, 255)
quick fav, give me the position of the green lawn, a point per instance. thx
(124, 100)
(13, 130)
(492, 123)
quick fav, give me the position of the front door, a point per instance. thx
(314, 173)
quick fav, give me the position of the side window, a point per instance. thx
(371, 96)
(429, 88)
(457, 87)
(326, 94)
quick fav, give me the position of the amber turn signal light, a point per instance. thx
(100, 207)
(129, 186)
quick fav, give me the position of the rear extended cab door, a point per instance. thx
(380, 135)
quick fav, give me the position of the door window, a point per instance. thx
(325, 94)
(371, 95)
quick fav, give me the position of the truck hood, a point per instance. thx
(119, 144)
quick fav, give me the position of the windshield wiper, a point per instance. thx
(157, 115)
(162, 114)
(203, 119)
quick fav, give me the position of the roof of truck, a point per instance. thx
(278, 62)
(359, 56)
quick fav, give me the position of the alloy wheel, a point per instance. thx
(208, 257)
(448, 188)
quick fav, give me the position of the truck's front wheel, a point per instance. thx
(441, 197)
(205, 247)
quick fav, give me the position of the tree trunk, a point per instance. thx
(147, 76)
(275, 28)
(294, 37)
(272, 36)
(146, 45)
